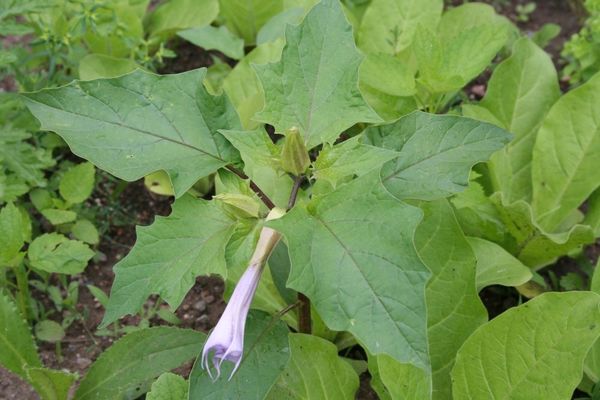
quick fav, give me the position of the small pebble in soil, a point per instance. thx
(200, 305)
(203, 321)
(209, 298)
(83, 362)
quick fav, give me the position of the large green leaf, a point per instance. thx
(454, 310)
(175, 15)
(314, 86)
(243, 86)
(169, 255)
(139, 123)
(18, 348)
(566, 154)
(389, 26)
(53, 252)
(137, 358)
(534, 246)
(349, 158)
(436, 153)
(266, 352)
(534, 351)
(519, 95)
(246, 17)
(496, 266)
(352, 254)
(467, 39)
(314, 372)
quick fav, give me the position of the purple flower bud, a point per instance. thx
(226, 341)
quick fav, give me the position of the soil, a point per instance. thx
(120, 207)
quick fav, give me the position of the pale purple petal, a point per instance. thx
(226, 341)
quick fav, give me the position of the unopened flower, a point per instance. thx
(226, 341)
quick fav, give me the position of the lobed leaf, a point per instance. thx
(169, 255)
(314, 86)
(352, 254)
(349, 158)
(139, 123)
(436, 153)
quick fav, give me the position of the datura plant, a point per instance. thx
(338, 225)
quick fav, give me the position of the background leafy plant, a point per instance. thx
(516, 213)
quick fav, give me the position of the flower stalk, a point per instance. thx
(226, 341)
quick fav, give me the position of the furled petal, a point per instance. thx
(226, 341)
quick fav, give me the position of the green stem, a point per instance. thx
(22, 290)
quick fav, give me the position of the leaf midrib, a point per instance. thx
(141, 131)
(434, 155)
(373, 292)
